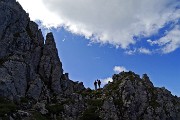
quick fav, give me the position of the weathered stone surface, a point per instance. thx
(41, 107)
(13, 22)
(28, 66)
(7, 88)
(109, 108)
(147, 81)
(24, 56)
(13, 79)
(137, 98)
(35, 89)
(50, 65)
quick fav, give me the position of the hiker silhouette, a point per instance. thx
(95, 85)
(99, 83)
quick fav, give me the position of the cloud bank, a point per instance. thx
(116, 22)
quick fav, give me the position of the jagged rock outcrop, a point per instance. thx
(33, 85)
(50, 67)
(29, 68)
(20, 44)
(137, 98)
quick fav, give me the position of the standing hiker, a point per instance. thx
(99, 83)
(95, 85)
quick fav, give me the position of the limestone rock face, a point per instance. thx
(35, 89)
(20, 45)
(29, 68)
(136, 98)
(50, 65)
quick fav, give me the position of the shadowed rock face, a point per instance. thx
(31, 75)
(50, 67)
(27, 65)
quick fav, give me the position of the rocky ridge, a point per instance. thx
(34, 87)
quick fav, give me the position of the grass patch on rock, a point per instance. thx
(96, 102)
(39, 116)
(6, 107)
(55, 108)
(90, 114)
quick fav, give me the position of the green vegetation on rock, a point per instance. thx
(55, 108)
(39, 116)
(23, 100)
(3, 60)
(118, 102)
(95, 102)
(90, 114)
(153, 101)
(6, 107)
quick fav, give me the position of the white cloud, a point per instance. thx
(106, 80)
(130, 52)
(118, 69)
(105, 21)
(170, 42)
(139, 50)
(38, 11)
(144, 51)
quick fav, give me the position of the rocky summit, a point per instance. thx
(34, 87)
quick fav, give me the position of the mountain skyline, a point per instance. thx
(97, 37)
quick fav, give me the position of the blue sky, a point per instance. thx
(86, 62)
(97, 39)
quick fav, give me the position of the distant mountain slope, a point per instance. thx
(34, 87)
